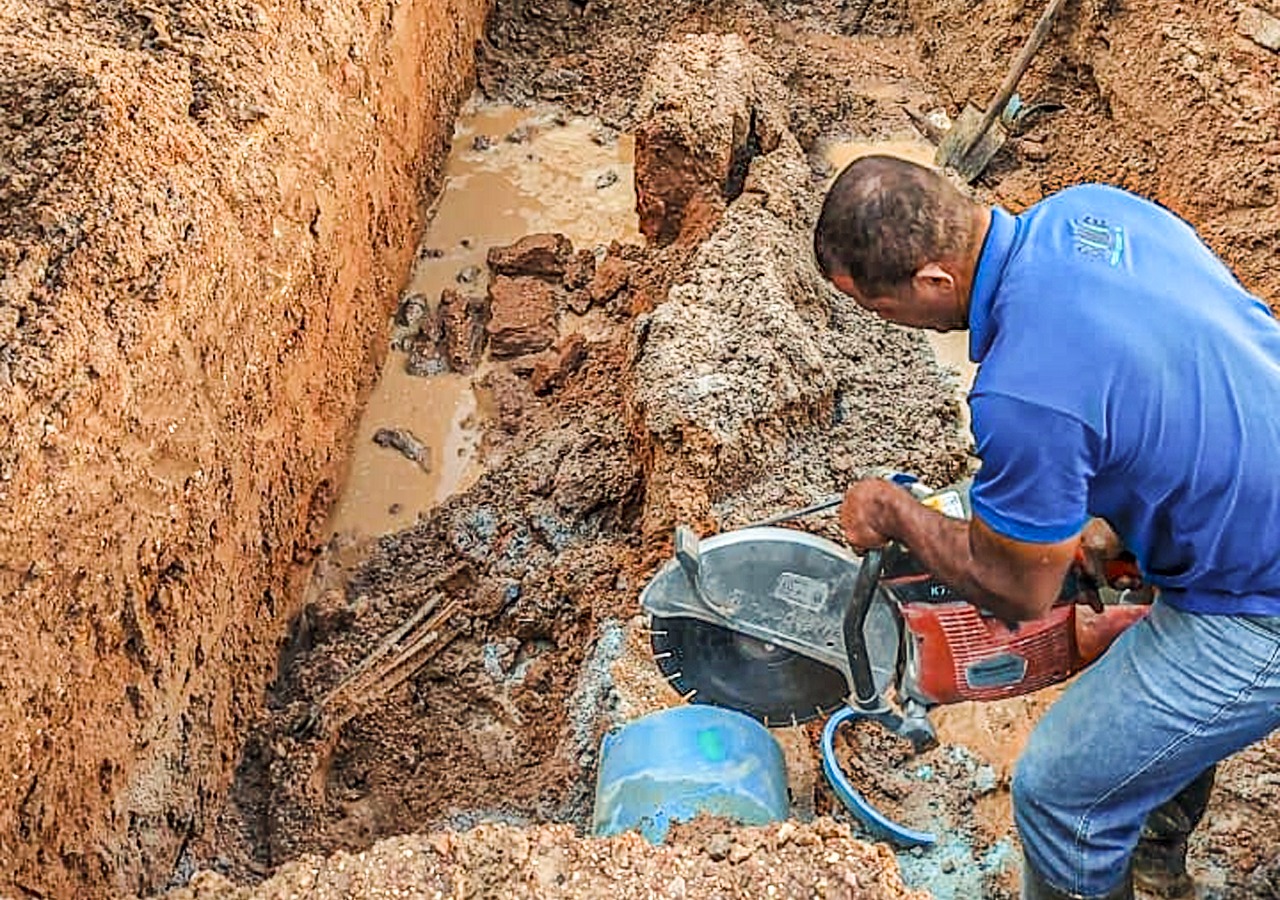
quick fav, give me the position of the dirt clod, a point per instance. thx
(522, 316)
(546, 255)
(549, 375)
(610, 277)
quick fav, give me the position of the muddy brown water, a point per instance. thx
(510, 172)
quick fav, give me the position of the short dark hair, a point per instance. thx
(884, 218)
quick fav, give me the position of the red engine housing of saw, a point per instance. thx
(956, 652)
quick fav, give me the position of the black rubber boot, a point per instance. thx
(1036, 888)
(1160, 858)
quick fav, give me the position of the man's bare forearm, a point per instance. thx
(944, 546)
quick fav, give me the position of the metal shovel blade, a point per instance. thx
(955, 151)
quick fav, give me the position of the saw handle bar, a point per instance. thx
(865, 696)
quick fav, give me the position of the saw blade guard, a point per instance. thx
(735, 609)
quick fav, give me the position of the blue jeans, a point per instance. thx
(1176, 693)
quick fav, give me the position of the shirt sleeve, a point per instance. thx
(1033, 485)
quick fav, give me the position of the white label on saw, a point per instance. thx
(807, 593)
(948, 503)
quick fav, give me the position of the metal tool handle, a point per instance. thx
(865, 695)
(821, 506)
(1038, 34)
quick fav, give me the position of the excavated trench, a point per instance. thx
(331, 629)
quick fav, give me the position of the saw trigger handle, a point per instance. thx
(865, 696)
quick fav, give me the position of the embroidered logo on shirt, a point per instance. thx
(1097, 238)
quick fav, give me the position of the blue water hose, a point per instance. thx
(875, 821)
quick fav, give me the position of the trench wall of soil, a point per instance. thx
(208, 210)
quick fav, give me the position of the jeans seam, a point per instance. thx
(1164, 752)
(1264, 633)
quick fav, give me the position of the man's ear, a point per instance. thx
(935, 276)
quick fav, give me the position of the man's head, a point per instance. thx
(902, 241)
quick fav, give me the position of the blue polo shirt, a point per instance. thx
(1125, 373)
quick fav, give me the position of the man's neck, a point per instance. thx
(981, 219)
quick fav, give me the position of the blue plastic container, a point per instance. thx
(671, 765)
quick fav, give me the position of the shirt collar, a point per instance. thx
(996, 249)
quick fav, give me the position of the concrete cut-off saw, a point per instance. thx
(787, 626)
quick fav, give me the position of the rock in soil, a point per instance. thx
(580, 270)
(412, 307)
(1261, 27)
(610, 278)
(463, 317)
(522, 316)
(549, 375)
(692, 154)
(426, 347)
(509, 395)
(534, 254)
(406, 444)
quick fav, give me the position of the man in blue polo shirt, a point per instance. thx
(1124, 374)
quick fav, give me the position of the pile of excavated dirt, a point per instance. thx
(704, 858)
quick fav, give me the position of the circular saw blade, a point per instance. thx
(710, 664)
